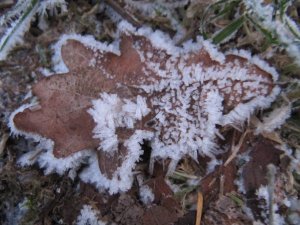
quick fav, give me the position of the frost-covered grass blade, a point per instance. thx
(229, 30)
(17, 28)
(17, 21)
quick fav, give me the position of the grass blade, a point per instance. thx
(16, 31)
(230, 29)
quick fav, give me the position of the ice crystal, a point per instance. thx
(88, 216)
(275, 119)
(146, 194)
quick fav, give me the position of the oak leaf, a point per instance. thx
(177, 95)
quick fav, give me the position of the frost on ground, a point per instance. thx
(89, 216)
(282, 26)
(15, 214)
(275, 119)
(146, 194)
(264, 193)
(140, 87)
(17, 21)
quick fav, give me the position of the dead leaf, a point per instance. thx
(159, 215)
(164, 205)
(254, 172)
(160, 188)
(225, 211)
(65, 98)
(179, 87)
(128, 211)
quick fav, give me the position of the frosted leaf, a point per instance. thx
(106, 173)
(116, 96)
(110, 112)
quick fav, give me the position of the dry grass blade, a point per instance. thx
(116, 6)
(235, 148)
(3, 142)
(199, 208)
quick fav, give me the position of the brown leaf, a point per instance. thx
(63, 115)
(159, 215)
(225, 211)
(128, 211)
(65, 98)
(186, 87)
(165, 200)
(160, 188)
(254, 173)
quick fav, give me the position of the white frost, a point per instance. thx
(275, 119)
(263, 193)
(89, 216)
(146, 194)
(110, 112)
(281, 26)
(15, 32)
(123, 176)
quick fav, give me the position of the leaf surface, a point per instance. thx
(187, 91)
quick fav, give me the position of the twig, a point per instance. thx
(235, 148)
(212, 182)
(3, 142)
(222, 180)
(35, 154)
(199, 208)
(114, 5)
(271, 181)
(185, 175)
(91, 12)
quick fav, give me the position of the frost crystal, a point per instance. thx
(275, 119)
(88, 216)
(146, 194)
(111, 112)
(122, 178)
